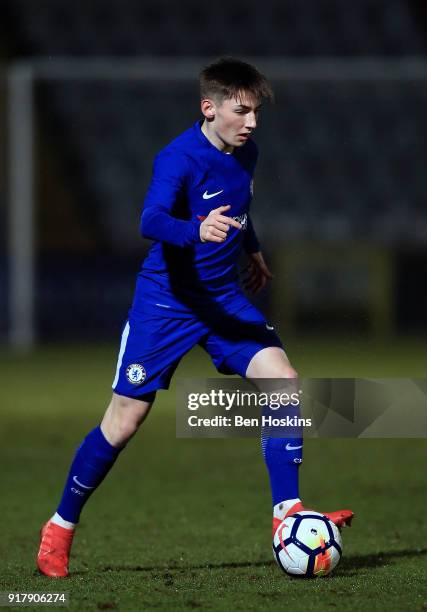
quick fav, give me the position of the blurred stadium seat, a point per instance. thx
(342, 159)
(189, 27)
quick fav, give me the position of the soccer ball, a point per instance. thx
(307, 544)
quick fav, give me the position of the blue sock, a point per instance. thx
(283, 455)
(92, 462)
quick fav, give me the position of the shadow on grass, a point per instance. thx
(349, 565)
(354, 563)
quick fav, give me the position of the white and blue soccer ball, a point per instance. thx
(307, 544)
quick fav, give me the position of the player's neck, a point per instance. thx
(214, 139)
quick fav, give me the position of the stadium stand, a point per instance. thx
(347, 155)
(189, 27)
(340, 160)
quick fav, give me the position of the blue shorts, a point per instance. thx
(161, 329)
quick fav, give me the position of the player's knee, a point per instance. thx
(123, 430)
(271, 363)
(288, 372)
(131, 413)
(123, 418)
(283, 371)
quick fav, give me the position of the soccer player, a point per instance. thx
(197, 213)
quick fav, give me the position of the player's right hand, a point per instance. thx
(216, 225)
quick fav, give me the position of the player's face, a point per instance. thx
(234, 120)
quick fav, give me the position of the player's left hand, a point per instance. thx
(256, 273)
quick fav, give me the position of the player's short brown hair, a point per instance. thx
(228, 78)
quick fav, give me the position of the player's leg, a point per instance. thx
(150, 350)
(283, 453)
(282, 450)
(98, 452)
(93, 460)
(248, 345)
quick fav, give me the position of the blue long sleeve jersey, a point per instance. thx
(190, 178)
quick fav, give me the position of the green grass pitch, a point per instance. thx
(185, 524)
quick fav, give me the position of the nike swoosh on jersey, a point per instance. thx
(208, 196)
(80, 484)
(290, 447)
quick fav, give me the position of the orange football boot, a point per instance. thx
(341, 518)
(54, 551)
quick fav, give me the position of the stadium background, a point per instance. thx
(342, 158)
(340, 207)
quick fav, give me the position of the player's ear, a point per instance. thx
(208, 109)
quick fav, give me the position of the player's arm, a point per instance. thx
(256, 273)
(171, 174)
